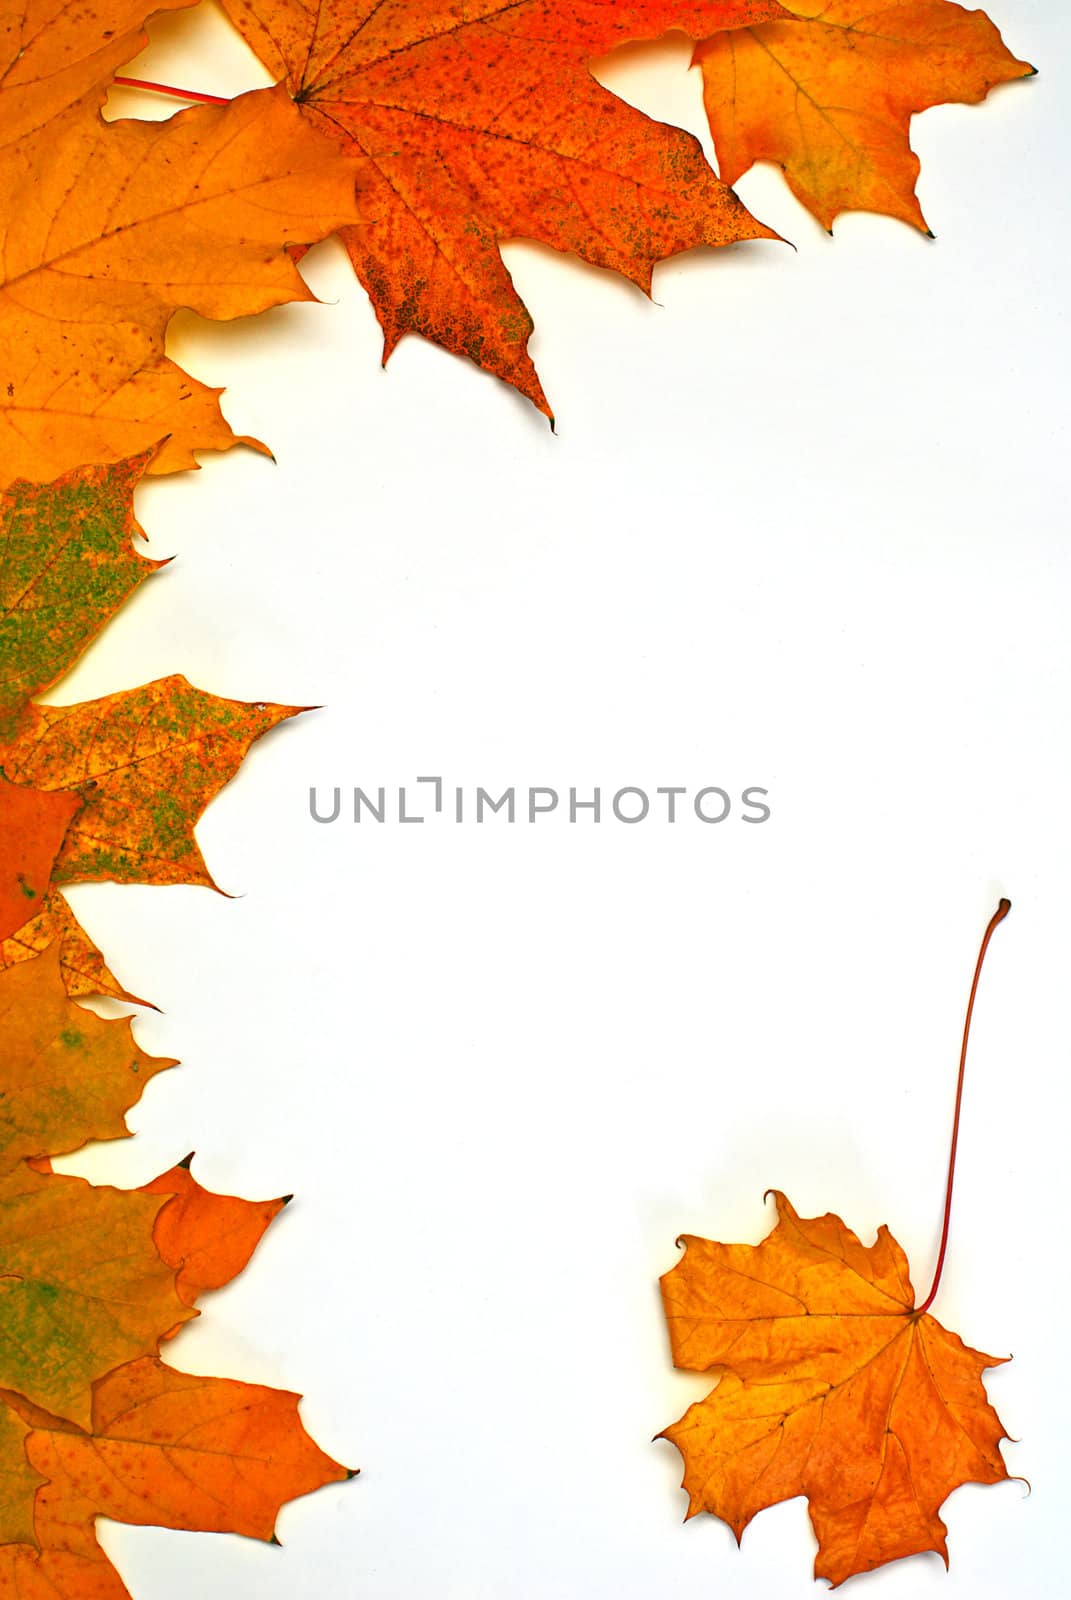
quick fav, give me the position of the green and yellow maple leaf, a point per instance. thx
(131, 772)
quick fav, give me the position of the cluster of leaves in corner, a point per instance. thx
(425, 133)
(476, 124)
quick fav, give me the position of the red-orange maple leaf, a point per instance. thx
(482, 123)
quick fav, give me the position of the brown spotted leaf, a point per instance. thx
(477, 123)
(169, 1449)
(66, 566)
(145, 763)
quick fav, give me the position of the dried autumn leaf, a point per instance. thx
(207, 1237)
(165, 1447)
(137, 767)
(829, 97)
(107, 229)
(91, 1282)
(161, 1447)
(168, 1449)
(84, 969)
(82, 1287)
(66, 566)
(146, 762)
(479, 123)
(833, 1386)
(66, 1076)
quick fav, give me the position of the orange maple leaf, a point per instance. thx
(834, 1387)
(208, 1238)
(163, 1448)
(83, 1286)
(107, 229)
(481, 124)
(829, 96)
(833, 1384)
(156, 1446)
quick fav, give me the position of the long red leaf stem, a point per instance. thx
(998, 916)
(177, 94)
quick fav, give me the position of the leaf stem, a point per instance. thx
(998, 916)
(177, 94)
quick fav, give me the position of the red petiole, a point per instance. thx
(998, 916)
(177, 94)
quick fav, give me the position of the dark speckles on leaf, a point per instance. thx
(159, 754)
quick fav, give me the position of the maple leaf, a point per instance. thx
(834, 1387)
(66, 1076)
(146, 762)
(833, 1384)
(91, 1282)
(829, 97)
(67, 564)
(160, 1446)
(85, 972)
(107, 229)
(207, 1237)
(83, 1288)
(130, 773)
(476, 124)
(83, 1285)
(163, 1448)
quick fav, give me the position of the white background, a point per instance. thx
(801, 527)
